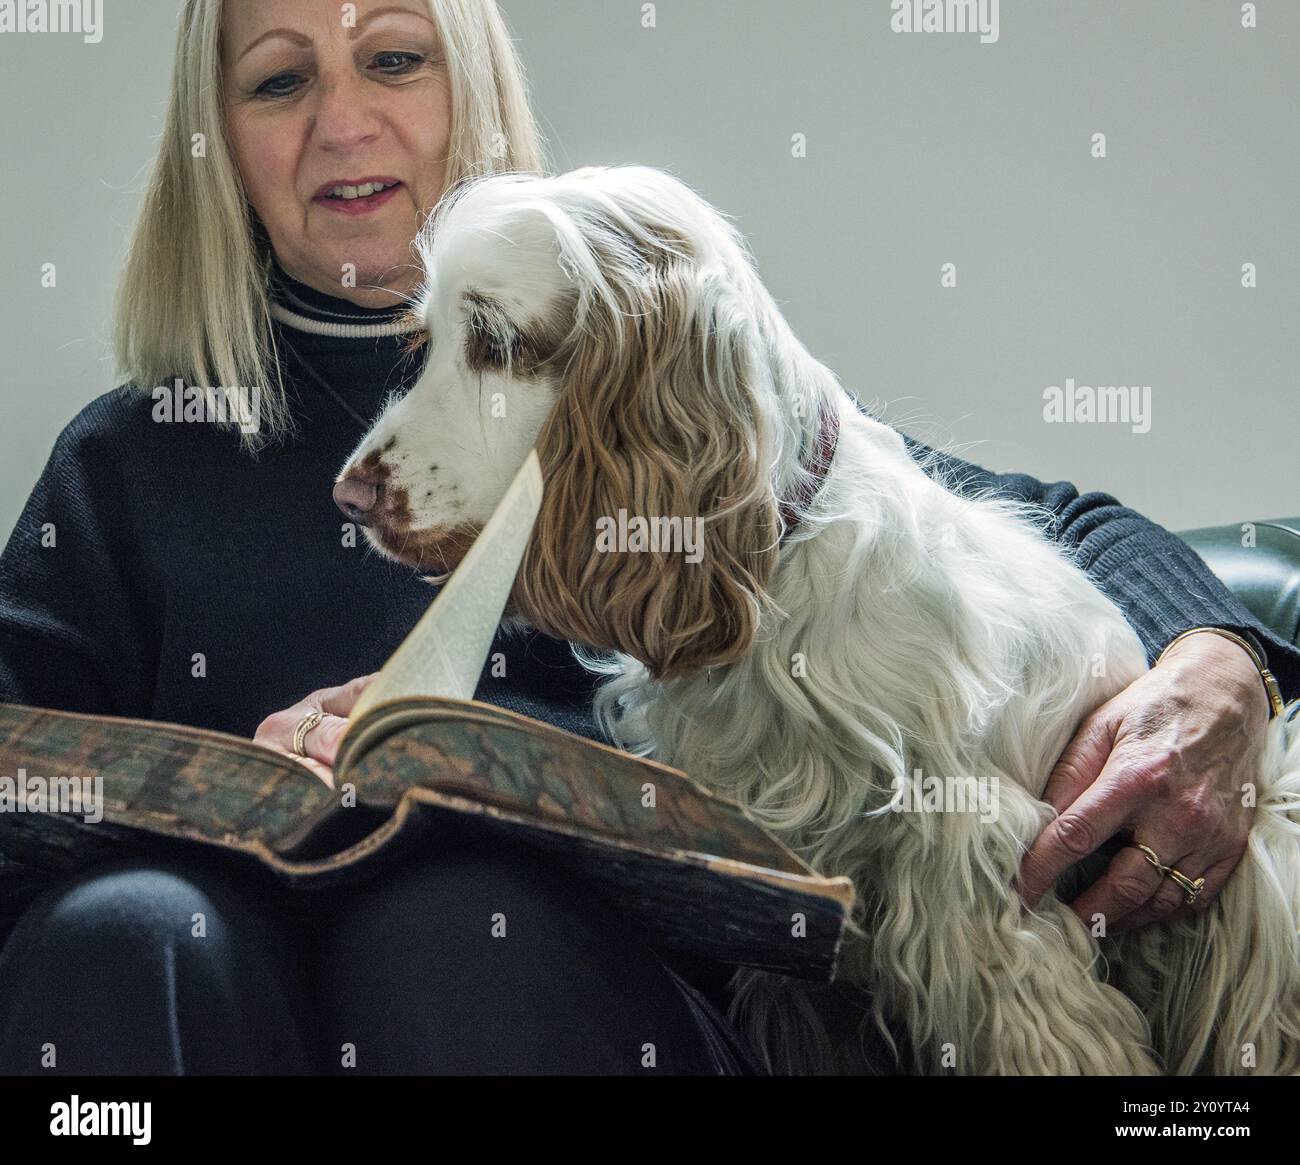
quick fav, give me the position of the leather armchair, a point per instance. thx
(1265, 576)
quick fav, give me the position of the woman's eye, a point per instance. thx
(398, 63)
(275, 87)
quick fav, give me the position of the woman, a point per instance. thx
(192, 581)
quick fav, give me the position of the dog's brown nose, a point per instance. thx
(357, 495)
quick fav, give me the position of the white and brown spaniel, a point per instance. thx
(849, 637)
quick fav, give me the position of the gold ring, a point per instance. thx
(305, 725)
(1151, 857)
(1191, 888)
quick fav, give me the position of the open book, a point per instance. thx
(420, 756)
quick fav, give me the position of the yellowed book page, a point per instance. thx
(445, 651)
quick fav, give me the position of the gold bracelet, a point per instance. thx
(1270, 682)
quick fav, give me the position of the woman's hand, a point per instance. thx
(1173, 759)
(322, 742)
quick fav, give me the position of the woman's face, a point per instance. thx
(313, 104)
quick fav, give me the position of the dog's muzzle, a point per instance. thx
(364, 497)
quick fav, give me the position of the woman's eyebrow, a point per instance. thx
(299, 38)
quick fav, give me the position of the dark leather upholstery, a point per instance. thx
(1265, 576)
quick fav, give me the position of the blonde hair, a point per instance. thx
(193, 301)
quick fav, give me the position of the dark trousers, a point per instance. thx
(476, 958)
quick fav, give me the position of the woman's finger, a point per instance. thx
(1216, 877)
(320, 742)
(1103, 809)
(1082, 761)
(1128, 884)
(1169, 897)
(1172, 898)
(341, 700)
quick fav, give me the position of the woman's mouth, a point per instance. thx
(363, 199)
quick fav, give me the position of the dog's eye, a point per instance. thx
(489, 345)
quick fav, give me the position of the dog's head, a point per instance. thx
(611, 319)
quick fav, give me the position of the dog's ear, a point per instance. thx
(657, 420)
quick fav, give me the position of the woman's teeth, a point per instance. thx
(359, 191)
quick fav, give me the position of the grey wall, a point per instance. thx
(922, 149)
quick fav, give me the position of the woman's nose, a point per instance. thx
(357, 495)
(343, 118)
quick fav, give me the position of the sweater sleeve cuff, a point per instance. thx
(1164, 597)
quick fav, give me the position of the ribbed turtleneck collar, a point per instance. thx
(305, 309)
(344, 361)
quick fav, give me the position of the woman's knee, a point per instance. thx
(114, 913)
(122, 907)
(142, 967)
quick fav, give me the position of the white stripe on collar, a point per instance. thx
(343, 331)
